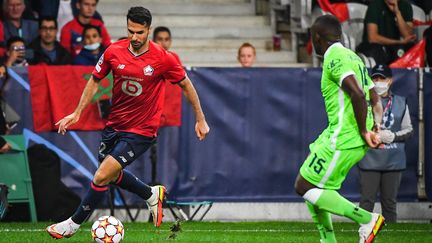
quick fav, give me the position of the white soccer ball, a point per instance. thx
(107, 229)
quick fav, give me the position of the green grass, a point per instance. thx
(223, 232)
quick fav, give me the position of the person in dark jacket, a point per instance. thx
(15, 24)
(46, 48)
(92, 47)
(381, 168)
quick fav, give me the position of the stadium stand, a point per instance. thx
(206, 33)
(419, 17)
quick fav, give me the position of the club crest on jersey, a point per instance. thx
(148, 70)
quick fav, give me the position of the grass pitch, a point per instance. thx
(222, 232)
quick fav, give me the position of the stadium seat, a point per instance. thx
(177, 209)
(353, 27)
(419, 15)
(15, 173)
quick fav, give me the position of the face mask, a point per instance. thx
(381, 88)
(92, 47)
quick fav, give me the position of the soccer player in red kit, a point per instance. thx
(140, 68)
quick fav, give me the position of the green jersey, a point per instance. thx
(342, 131)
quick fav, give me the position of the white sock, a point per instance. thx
(153, 197)
(72, 223)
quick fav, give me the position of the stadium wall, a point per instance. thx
(262, 121)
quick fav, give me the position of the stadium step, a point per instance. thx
(175, 8)
(230, 56)
(218, 44)
(193, 21)
(205, 32)
(208, 33)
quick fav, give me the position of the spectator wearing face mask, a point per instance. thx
(381, 168)
(92, 48)
(71, 34)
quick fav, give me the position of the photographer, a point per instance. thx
(16, 54)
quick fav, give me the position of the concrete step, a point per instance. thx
(193, 21)
(219, 44)
(175, 8)
(230, 56)
(142, 3)
(206, 33)
(257, 65)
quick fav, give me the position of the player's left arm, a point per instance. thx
(358, 98)
(201, 126)
(376, 108)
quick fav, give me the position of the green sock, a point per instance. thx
(322, 220)
(333, 202)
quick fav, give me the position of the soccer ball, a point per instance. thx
(107, 229)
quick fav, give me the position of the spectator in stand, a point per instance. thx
(63, 10)
(162, 36)
(15, 25)
(71, 34)
(246, 55)
(46, 48)
(16, 52)
(92, 48)
(388, 30)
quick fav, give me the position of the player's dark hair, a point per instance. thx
(328, 26)
(140, 15)
(12, 40)
(48, 19)
(89, 27)
(159, 29)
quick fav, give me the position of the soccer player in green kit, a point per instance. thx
(348, 92)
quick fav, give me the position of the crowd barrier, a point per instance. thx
(262, 121)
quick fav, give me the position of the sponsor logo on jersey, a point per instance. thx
(100, 62)
(121, 66)
(148, 70)
(131, 154)
(123, 159)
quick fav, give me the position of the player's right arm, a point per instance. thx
(101, 69)
(358, 100)
(89, 91)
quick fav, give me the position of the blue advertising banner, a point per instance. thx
(262, 121)
(427, 81)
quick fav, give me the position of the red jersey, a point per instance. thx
(139, 85)
(71, 35)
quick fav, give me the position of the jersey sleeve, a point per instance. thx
(370, 82)
(340, 69)
(103, 66)
(175, 71)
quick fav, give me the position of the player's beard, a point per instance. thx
(137, 45)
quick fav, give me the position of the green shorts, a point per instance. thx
(327, 168)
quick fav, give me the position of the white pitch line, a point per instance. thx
(236, 231)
